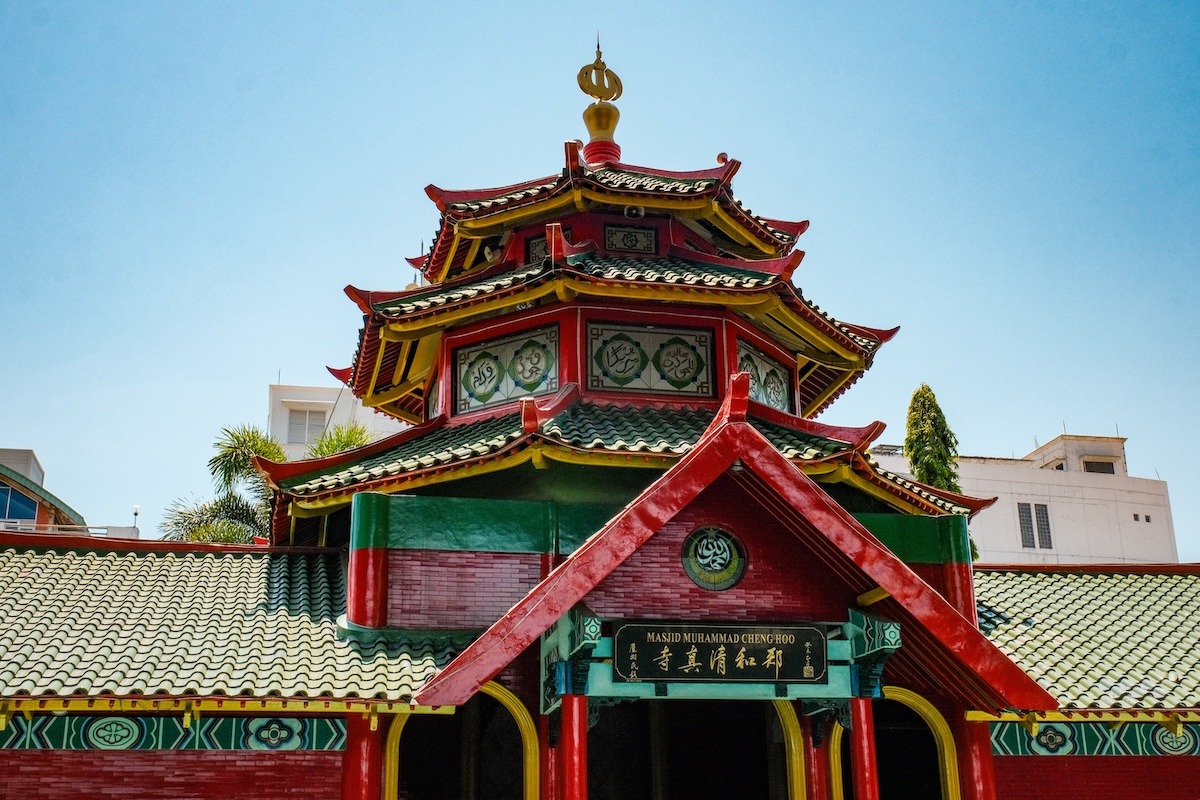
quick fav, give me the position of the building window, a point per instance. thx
(305, 426)
(1102, 467)
(1027, 515)
(1042, 514)
(14, 505)
(1147, 518)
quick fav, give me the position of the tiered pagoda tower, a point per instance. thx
(614, 503)
(593, 318)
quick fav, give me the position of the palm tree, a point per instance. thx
(242, 508)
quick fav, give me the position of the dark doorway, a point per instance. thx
(475, 754)
(687, 750)
(905, 753)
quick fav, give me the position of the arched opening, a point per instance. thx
(487, 750)
(914, 751)
(681, 750)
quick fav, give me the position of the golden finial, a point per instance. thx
(598, 81)
(601, 117)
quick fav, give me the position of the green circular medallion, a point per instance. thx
(713, 558)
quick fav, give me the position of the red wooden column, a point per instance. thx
(862, 749)
(572, 745)
(362, 761)
(547, 761)
(816, 763)
(976, 769)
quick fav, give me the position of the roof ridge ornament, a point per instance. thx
(601, 83)
(598, 81)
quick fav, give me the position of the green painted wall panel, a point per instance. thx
(409, 522)
(921, 540)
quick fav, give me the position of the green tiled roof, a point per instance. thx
(628, 179)
(443, 446)
(919, 489)
(523, 194)
(630, 429)
(666, 430)
(655, 270)
(461, 291)
(90, 622)
(670, 270)
(1117, 639)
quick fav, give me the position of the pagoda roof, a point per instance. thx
(938, 641)
(87, 617)
(842, 354)
(1096, 636)
(705, 194)
(565, 428)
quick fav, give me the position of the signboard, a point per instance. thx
(683, 652)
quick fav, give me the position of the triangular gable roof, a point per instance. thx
(955, 652)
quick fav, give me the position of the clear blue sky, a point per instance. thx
(185, 188)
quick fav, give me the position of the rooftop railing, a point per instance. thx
(29, 526)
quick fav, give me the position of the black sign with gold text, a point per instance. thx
(672, 651)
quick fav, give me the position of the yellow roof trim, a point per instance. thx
(214, 704)
(375, 400)
(1088, 715)
(844, 474)
(304, 507)
(739, 233)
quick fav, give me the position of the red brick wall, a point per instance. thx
(183, 774)
(783, 580)
(456, 589)
(1098, 777)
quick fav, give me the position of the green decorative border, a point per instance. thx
(1095, 739)
(120, 732)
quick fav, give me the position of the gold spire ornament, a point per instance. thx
(598, 81)
(601, 117)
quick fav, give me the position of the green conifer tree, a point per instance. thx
(930, 445)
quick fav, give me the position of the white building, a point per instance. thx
(299, 414)
(26, 506)
(1069, 501)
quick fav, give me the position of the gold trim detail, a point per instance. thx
(793, 743)
(947, 751)
(525, 725)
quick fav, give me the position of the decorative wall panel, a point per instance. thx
(120, 732)
(770, 381)
(1095, 739)
(660, 360)
(494, 372)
